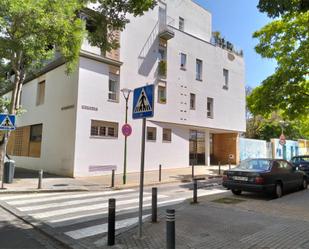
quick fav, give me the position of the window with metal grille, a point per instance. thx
(103, 129)
(151, 133)
(167, 135)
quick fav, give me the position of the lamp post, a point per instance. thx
(126, 94)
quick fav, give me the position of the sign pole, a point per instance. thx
(141, 186)
(5, 145)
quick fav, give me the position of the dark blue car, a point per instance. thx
(273, 176)
(302, 162)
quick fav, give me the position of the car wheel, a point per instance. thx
(304, 184)
(236, 191)
(278, 190)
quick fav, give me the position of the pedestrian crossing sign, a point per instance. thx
(143, 102)
(7, 122)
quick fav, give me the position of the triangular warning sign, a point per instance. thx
(143, 104)
(7, 123)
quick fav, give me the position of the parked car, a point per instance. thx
(302, 162)
(273, 176)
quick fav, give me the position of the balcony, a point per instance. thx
(166, 32)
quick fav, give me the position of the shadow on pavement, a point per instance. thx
(21, 173)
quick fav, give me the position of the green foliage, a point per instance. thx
(266, 128)
(287, 41)
(162, 68)
(32, 32)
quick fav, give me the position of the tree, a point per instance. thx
(286, 39)
(32, 32)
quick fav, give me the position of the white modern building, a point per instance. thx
(73, 122)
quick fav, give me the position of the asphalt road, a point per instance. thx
(14, 233)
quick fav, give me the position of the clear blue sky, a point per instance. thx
(237, 20)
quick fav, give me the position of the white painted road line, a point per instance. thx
(76, 202)
(70, 220)
(48, 214)
(63, 197)
(12, 197)
(100, 229)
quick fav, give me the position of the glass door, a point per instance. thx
(197, 147)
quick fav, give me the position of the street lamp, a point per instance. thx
(126, 94)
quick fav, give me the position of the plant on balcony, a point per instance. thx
(162, 68)
(163, 100)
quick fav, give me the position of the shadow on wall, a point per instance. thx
(148, 55)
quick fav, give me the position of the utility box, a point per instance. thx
(9, 171)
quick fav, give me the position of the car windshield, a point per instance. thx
(255, 164)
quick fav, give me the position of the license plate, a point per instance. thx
(240, 178)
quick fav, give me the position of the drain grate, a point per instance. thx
(227, 200)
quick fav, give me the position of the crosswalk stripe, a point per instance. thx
(48, 214)
(100, 229)
(77, 218)
(63, 197)
(22, 196)
(74, 202)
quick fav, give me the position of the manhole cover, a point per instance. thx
(227, 200)
(60, 185)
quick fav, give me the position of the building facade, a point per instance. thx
(73, 122)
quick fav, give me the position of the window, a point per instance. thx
(151, 133)
(103, 129)
(210, 107)
(199, 69)
(192, 101)
(181, 24)
(26, 141)
(40, 93)
(162, 54)
(226, 79)
(113, 87)
(183, 60)
(162, 92)
(36, 133)
(167, 135)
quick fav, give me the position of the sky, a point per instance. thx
(237, 20)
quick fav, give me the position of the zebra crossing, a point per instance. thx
(83, 216)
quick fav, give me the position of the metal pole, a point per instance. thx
(170, 229)
(113, 179)
(160, 172)
(40, 179)
(5, 147)
(111, 222)
(124, 180)
(192, 170)
(141, 186)
(229, 163)
(219, 168)
(154, 205)
(194, 191)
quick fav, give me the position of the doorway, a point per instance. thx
(197, 147)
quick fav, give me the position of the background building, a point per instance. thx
(73, 122)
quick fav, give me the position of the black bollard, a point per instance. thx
(219, 168)
(160, 172)
(194, 191)
(40, 179)
(154, 205)
(111, 222)
(170, 229)
(192, 170)
(113, 179)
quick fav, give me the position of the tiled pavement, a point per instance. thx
(211, 225)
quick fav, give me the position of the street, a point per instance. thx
(248, 221)
(16, 234)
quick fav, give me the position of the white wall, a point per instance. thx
(58, 136)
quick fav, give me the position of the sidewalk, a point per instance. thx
(27, 180)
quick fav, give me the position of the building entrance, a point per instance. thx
(197, 147)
